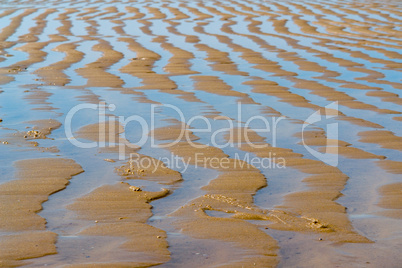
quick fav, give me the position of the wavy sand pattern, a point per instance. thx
(206, 133)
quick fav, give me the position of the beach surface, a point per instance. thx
(205, 133)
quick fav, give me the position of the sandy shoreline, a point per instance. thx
(180, 180)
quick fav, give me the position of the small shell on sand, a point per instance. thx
(135, 188)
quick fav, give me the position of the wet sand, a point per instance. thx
(134, 133)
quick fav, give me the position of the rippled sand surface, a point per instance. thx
(200, 133)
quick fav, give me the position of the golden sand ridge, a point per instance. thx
(22, 199)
